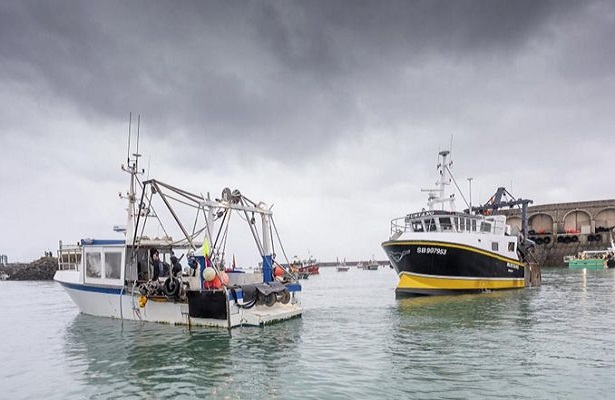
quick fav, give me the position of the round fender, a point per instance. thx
(597, 237)
(546, 240)
(171, 287)
(260, 299)
(143, 289)
(284, 296)
(270, 299)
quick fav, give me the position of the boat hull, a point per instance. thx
(587, 264)
(437, 268)
(115, 302)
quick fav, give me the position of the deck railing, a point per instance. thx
(69, 258)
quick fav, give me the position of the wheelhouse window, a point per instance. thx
(485, 227)
(93, 264)
(511, 246)
(430, 224)
(446, 224)
(494, 246)
(417, 226)
(113, 264)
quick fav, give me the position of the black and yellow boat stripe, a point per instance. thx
(455, 246)
(409, 280)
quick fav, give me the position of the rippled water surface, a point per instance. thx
(354, 341)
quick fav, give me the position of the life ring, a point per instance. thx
(171, 287)
(284, 296)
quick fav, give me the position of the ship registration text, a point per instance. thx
(431, 250)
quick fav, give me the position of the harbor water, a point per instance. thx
(355, 340)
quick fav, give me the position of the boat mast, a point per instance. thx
(436, 196)
(132, 168)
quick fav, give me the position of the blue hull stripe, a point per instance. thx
(95, 289)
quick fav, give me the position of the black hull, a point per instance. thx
(442, 268)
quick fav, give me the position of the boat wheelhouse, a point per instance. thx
(449, 252)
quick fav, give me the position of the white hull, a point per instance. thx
(113, 302)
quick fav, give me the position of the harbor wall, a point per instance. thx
(563, 229)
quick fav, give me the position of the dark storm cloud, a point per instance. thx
(284, 75)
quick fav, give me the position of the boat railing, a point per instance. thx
(69, 258)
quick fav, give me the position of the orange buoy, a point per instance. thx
(216, 283)
(278, 271)
(224, 278)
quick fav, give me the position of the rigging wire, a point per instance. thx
(280, 241)
(457, 186)
(253, 229)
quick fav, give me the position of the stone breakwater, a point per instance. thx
(42, 269)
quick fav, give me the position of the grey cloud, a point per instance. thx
(286, 75)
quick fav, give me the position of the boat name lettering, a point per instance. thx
(431, 250)
(511, 265)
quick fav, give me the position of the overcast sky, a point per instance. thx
(332, 111)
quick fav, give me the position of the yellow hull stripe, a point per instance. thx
(455, 246)
(411, 281)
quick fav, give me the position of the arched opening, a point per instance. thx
(605, 219)
(541, 223)
(574, 221)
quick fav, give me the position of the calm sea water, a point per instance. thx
(354, 341)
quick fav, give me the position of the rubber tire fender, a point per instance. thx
(284, 296)
(171, 287)
(270, 299)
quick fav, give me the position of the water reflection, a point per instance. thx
(442, 344)
(160, 361)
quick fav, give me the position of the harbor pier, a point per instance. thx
(563, 229)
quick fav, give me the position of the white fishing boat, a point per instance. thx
(143, 279)
(342, 267)
(442, 251)
(372, 265)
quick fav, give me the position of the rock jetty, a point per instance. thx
(42, 269)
